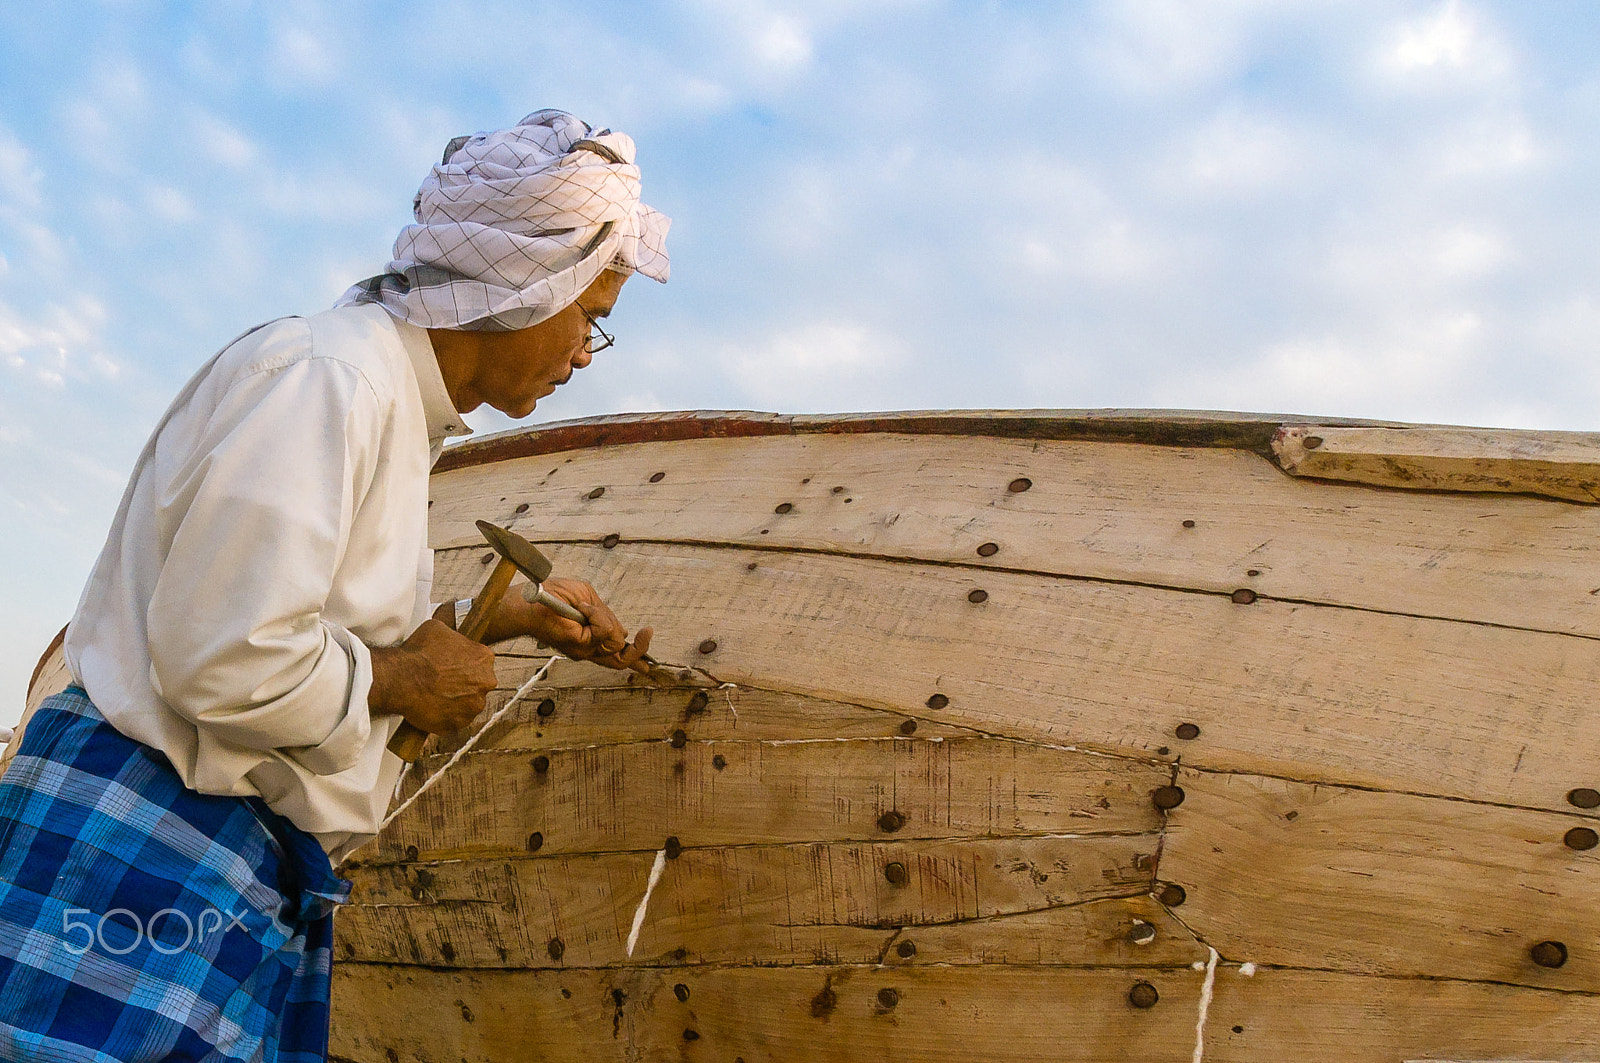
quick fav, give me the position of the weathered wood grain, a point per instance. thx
(1322, 1017)
(1280, 688)
(633, 796)
(827, 1014)
(1554, 464)
(751, 904)
(50, 676)
(1098, 510)
(1318, 876)
(578, 715)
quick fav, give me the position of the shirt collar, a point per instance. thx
(440, 412)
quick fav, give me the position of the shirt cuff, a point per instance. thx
(342, 746)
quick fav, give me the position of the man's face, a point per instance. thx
(517, 369)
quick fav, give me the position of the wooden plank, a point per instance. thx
(1323, 1017)
(826, 1014)
(1553, 464)
(750, 904)
(1097, 510)
(1276, 688)
(1316, 876)
(620, 713)
(50, 676)
(634, 796)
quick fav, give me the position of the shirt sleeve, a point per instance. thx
(258, 516)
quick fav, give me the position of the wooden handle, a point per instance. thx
(409, 738)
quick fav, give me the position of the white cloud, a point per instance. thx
(1396, 266)
(1452, 38)
(1236, 152)
(20, 177)
(221, 142)
(834, 365)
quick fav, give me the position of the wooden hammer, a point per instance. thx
(516, 555)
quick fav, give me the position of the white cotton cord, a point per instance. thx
(1205, 1006)
(644, 902)
(522, 691)
(727, 689)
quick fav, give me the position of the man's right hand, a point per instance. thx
(438, 680)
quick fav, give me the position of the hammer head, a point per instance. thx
(517, 550)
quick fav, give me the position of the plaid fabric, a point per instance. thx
(140, 920)
(513, 225)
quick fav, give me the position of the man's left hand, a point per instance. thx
(601, 640)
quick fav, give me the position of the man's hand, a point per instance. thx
(438, 680)
(602, 640)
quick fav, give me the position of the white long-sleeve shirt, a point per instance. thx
(273, 529)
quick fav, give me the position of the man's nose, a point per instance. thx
(582, 359)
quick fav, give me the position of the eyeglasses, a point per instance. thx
(598, 339)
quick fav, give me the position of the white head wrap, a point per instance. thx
(513, 226)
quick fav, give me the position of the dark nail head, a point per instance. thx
(1167, 797)
(888, 998)
(1582, 839)
(691, 1035)
(674, 848)
(535, 841)
(1172, 895)
(523, 508)
(1313, 442)
(895, 873)
(487, 559)
(1187, 731)
(679, 739)
(783, 507)
(597, 492)
(1243, 596)
(556, 948)
(908, 727)
(698, 702)
(1188, 524)
(838, 490)
(681, 991)
(547, 707)
(1019, 485)
(1252, 572)
(975, 597)
(719, 762)
(891, 821)
(541, 764)
(412, 852)
(708, 646)
(658, 477)
(988, 549)
(1143, 995)
(905, 950)
(610, 541)
(1551, 954)
(1583, 797)
(937, 701)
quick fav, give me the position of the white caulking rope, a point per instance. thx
(1205, 1006)
(644, 902)
(469, 743)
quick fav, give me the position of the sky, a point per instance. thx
(1323, 207)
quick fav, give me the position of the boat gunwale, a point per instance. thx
(1176, 428)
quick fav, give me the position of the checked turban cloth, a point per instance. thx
(512, 226)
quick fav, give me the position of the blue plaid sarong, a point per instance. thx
(140, 920)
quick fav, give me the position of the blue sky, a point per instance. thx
(1376, 209)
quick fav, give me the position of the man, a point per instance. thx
(257, 625)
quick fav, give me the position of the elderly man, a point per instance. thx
(257, 625)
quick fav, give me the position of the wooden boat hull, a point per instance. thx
(984, 731)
